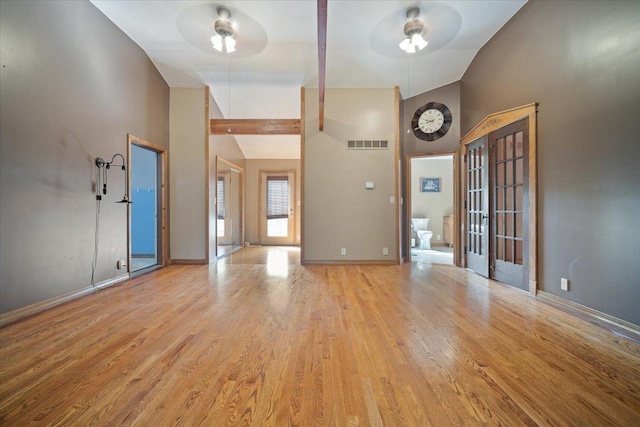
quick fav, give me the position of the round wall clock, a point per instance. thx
(431, 121)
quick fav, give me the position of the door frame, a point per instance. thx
(240, 171)
(162, 175)
(490, 124)
(293, 185)
(456, 198)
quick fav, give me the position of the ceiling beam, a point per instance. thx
(255, 126)
(322, 56)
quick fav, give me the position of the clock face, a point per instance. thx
(431, 121)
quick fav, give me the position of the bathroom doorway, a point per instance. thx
(431, 196)
(147, 213)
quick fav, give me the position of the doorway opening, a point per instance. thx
(229, 203)
(277, 198)
(431, 207)
(147, 215)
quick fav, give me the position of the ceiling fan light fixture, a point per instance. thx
(216, 41)
(418, 41)
(224, 39)
(230, 44)
(413, 32)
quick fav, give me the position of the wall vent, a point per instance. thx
(367, 144)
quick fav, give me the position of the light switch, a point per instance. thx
(392, 200)
(369, 185)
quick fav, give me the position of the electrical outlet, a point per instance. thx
(385, 251)
(438, 237)
(121, 264)
(564, 284)
(343, 251)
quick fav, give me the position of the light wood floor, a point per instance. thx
(258, 340)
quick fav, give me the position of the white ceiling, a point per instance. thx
(277, 50)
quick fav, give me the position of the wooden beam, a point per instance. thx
(255, 126)
(322, 57)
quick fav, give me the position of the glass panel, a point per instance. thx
(519, 254)
(519, 206)
(277, 227)
(500, 199)
(519, 144)
(500, 149)
(509, 174)
(499, 223)
(475, 179)
(220, 231)
(277, 197)
(499, 174)
(508, 250)
(475, 243)
(509, 222)
(509, 147)
(481, 201)
(500, 249)
(519, 171)
(480, 162)
(481, 248)
(518, 224)
(509, 192)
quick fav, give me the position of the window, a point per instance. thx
(221, 206)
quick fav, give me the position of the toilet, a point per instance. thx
(420, 228)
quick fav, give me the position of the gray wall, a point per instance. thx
(448, 95)
(338, 211)
(187, 169)
(72, 86)
(581, 62)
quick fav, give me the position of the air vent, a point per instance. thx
(367, 144)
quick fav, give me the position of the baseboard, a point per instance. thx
(351, 262)
(606, 321)
(30, 310)
(188, 261)
(226, 254)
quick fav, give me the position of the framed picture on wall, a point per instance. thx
(429, 185)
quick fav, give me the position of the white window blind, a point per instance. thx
(277, 197)
(220, 197)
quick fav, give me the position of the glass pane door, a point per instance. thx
(277, 221)
(477, 204)
(510, 212)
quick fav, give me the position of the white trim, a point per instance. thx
(38, 307)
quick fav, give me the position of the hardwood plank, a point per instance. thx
(255, 126)
(247, 342)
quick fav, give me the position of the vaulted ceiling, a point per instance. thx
(277, 50)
